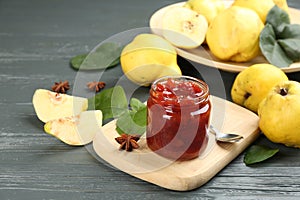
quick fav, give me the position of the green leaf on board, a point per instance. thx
(257, 153)
(140, 117)
(112, 102)
(132, 122)
(136, 104)
(106, 55)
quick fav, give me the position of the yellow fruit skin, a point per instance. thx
(208, 8)
(279, 115)
(253, 84)
(234, 34)
(261, 7)
(282, 4)
(147, 58)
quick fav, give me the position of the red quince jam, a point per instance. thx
(178, 117)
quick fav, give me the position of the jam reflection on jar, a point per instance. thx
(178, 117)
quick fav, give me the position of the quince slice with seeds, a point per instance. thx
(184, 28)
(51, 105)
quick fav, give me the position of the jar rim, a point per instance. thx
(201, 84)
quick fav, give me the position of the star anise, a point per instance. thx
(61, 87)
(128, 142)
(96, 85)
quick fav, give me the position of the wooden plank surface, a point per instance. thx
(37, 39)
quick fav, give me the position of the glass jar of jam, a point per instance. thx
(178, 117)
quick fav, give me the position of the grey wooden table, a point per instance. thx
(37, 40)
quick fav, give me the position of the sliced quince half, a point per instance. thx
(183, 27)
(51, 105)
(76, 130)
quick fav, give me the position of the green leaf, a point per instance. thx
(133, 121)
(140, 117)
(291, 41)
(76, 61)
(271, 49)
(257, 153)
(106, 55)
(291, 48)
(279, 40)
(290, 31)
(136, 104)
(112, 102)
(277, 18)
(114, 63)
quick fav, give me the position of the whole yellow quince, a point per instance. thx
(279, 114)
(253, 84)
(208, 8)
(147, 58)
(234, 34)
(261, 7)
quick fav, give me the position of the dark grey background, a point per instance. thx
(37, 40)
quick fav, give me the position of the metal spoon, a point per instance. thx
(225, 137)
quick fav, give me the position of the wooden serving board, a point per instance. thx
(187, 175)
